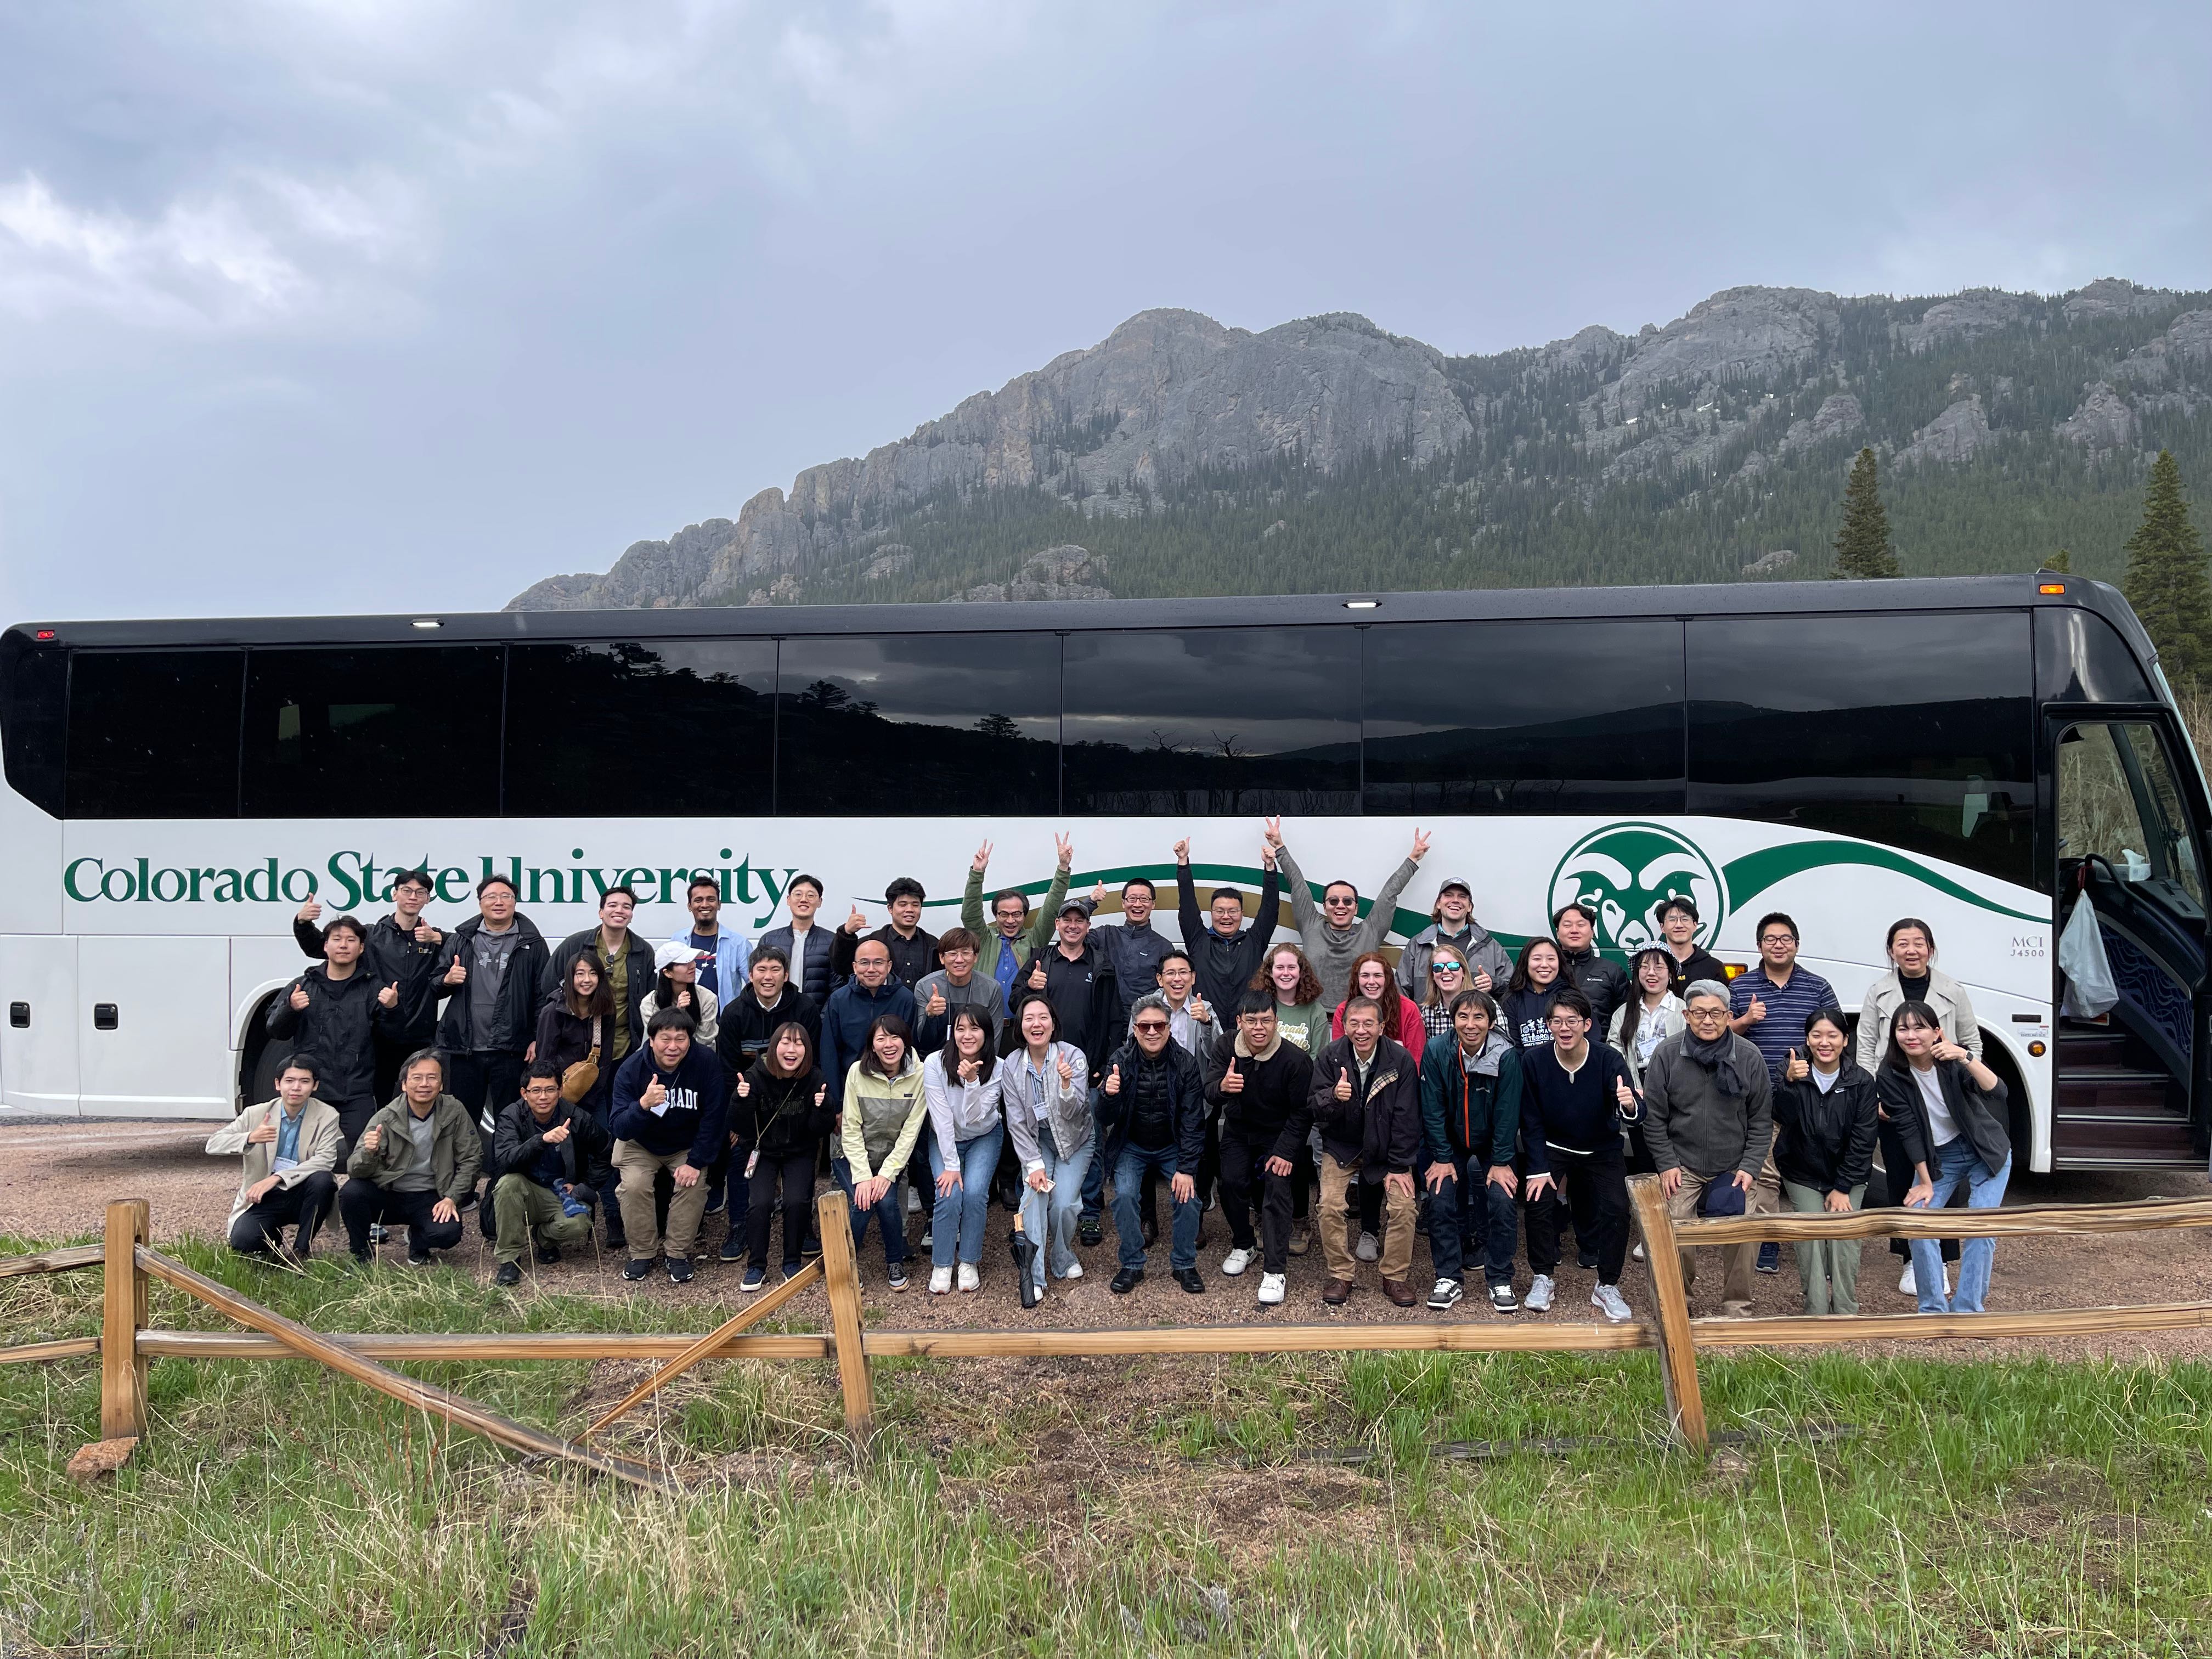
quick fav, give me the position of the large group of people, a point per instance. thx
(1036, 1059)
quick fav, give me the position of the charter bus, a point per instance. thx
(1976, 752)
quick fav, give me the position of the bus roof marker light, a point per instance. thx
(1361, 604)
(428, 621)
(2051, 587)
(46, 633)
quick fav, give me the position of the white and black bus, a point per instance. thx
(1971, 751)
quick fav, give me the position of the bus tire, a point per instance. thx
(2018, 1122)
(256, 1065)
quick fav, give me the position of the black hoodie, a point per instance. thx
(1604, 983)
(393, 957)
(336, 1029)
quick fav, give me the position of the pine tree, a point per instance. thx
(2167, 581)
(1862, 549)
(2060, 564)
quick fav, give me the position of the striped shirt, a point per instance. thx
(1788, 1007)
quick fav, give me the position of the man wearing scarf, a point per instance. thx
(1708, 1120)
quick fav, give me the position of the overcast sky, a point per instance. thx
(354, 306)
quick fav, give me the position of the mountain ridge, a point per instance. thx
(1181, 454)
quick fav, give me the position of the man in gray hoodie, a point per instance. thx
(1452, 922)
(1333, 933)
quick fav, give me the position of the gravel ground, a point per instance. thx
(55, 1178)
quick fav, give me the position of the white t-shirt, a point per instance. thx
(1825, 1081)
(1941, 1123)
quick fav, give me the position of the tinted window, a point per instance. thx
(398, 731)
(153, 734)
(942, 724)
(1220, 721)
(36, 690)
(1912, 731)
(706, 707)
(1524, 717)
(2080, 657)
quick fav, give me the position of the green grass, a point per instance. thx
(1290, 1506)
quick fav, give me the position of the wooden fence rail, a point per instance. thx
(125, 1346)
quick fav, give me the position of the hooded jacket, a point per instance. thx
(776, 1116)
(1604, 982)
(1187, 1111)
(319, 1146)
(1826, 1141)
(519, 1137)
(1483, 955)
(1066, 1108)
(393, 957)
(1273, 1105)
(1225, 966)
(1471, 1113)
(456, 1148)
(336, 1029)
(852, 1009)
(882, 1116)
(1380, 1126)
(514, 1023)
(639, 974)
(1333, 949)
(692, 1117)
(745, 1026)
(910, 957)
(1981, 1118)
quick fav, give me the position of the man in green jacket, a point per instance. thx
(1011, 938)
(417, 1163)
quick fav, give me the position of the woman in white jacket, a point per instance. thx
(1640, 1026)
(1044, 1085)
(965, 1134)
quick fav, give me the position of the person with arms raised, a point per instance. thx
(400, 949)
(1709, 1121)
(1333, 932)
(1262, 1086)
(288, 1150)
(1574, 1095)
(492, 973)
(1365, 1099)
(548, 1162)
(670, 1106)
(914, 950)
(1012, 936)
(333, 1015)
(417, 1163)
(1471, 1122)
(807, 948)
(1225, 952)
(1152, 1114)
(780, 1114)
(1451, 921)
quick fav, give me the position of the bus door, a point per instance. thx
(149, 1016)
(38, 1045)
(2132, 1086)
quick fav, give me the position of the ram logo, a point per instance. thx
(1623, 871)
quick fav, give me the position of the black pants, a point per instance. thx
(795, 1172)
(1887, 1191)
(353, 1118)
(391, 1054)
(484, 1077)
(363, 1203)
(1596, 1185)
(1244, 1177)
(260, 1226)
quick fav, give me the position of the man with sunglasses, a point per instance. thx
(1334, 934)
(402, 950)
(1151, 1118)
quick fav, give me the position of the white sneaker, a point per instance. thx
(1907, 1284)
(1271, 1288)
(1236, 1263)
(970, 1278)
(913, 1201)
(1075, 1271)
(940, 1280)
(1368, 1249)
(1606, 1299)
(1539, 1300)
(1636, 1253)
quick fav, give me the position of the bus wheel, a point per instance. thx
(257, 1069)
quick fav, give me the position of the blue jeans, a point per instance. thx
(1049, 1218)
(891, 1211)
(958, 1218)
(1129, 1228)
(1094, 1173)
(1468, 1214)
(1956, 1163)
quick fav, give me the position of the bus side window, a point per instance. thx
(153, 734)
(376, 732)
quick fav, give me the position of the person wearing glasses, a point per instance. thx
(1676, 918)
(1770, 1005)
(1333, 934)
(1574, 1095)
(1449, 974)
(1709, 1121)
(1152, 1118)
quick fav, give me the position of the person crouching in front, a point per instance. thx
(670, 1107)
(550, 1160)
(290, 1146)
(415, 1162)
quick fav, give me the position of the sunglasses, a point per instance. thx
(1151, 1025)
(1447, 968)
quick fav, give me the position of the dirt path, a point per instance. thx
(56, 1177)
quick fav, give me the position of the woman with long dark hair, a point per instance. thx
(1823, 1136)
(1949, 1109)
(578, 1021)
(961, 1083)
(885, 1109)
(778, 1114)
(1526, 1005)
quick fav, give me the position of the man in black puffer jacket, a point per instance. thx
(1366, 1101)
(402, 950)
(333, 1014)
(546, 1157)
(1261, 1082)
(1152, 1116)
(1574, 927)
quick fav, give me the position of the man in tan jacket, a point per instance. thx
(290, 1148)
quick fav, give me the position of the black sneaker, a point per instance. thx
(636, 1269)
(1126, 1280)
(419, 1258)
(714, 1203)
(1586, 1260)
(509, 1275)
(362, 1258)
(679, 1270)
(617, 1240)
(1445, 1297)
(1769, 1257)
(733, 1248)
(1188, 1279)
(1501, 1300)
(1087, 1231)
(548, 1255)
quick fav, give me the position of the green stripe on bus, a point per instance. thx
(1754, 873)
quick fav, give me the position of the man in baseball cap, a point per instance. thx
(1452, 922)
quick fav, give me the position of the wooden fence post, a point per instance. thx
(123, 1316)
(833, 1213)
(1678, 1353)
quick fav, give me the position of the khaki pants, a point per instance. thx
(522, 1210)
(633, 1192)
(1336, 1181)
(1765, 1198)
(1827, 1268)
